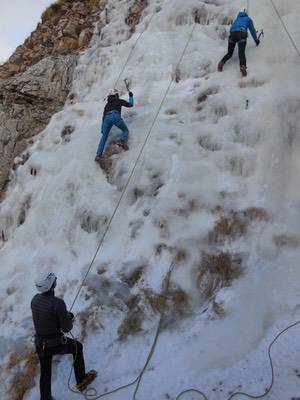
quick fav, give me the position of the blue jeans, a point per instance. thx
(111, 119)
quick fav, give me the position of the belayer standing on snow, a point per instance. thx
(238, 35)
(51, 320)
(111, 117)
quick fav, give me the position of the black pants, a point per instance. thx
(239, 38)
(45, 356)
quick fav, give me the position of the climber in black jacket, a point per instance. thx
(51, 320)
(111, 117)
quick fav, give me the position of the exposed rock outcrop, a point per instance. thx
(27, 102)
(135, 12)
(66, 27)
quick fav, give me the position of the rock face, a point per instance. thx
(27, 102)
(135, 12)
(66, 27)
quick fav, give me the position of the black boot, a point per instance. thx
(90, 376)
(243, 70)
(220, 66)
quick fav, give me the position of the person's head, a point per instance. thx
(45, 282)
(243, 11)
(113, 94)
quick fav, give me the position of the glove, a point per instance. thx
(71, 315)
(257, 42)
(130, 94)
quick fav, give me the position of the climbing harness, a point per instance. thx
(91, 393)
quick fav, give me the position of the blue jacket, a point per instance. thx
(242, 24)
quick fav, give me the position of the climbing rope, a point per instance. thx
(250, 396)
(132, 171)
(139, 377)
(193, 390)
(92, 393)
(285, 27)
(132, 50)
(120, 199)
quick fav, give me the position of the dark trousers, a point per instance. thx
(45, 356)
(239, 38)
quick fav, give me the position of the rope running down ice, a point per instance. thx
(91, 394)
(120, 199)
(139, 377)
(133, 48)
(285, 28)
(290, 326)
(133, 170)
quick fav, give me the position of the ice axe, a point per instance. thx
(261, 34)
(127, 84)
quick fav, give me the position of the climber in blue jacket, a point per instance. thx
(111, 117)
(238, 35)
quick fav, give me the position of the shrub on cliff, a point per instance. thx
(55, 9)
(52, 11)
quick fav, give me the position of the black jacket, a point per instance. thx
(115, 104)
(50, 315)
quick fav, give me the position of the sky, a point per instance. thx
(18, 18)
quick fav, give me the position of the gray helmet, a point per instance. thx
(45, 281)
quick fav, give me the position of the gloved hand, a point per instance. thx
(130, 94)
(257, 42)
(71, 315)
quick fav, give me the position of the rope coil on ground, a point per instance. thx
(250, 396)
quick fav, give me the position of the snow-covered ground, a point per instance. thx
(219, 173)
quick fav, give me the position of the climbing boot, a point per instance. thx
(123, 145)
(89, 377)
(220, 66)
(100, 160)
(243, 70)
